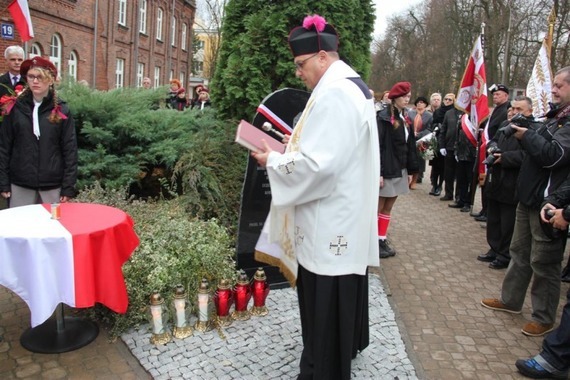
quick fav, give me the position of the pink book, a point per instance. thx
(249, 136)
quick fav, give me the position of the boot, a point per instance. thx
(414, 181)
(437, 191)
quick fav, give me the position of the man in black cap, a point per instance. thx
(500, 94)
(324, 195)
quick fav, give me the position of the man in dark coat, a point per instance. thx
(14, 56)
(498, 116)
(500, 187)
(448, 116)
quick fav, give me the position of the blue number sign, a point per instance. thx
(7, 31)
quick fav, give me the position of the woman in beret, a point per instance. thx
(398, 158)
(38, 146)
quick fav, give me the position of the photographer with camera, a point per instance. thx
(504, 159)
(534, 253)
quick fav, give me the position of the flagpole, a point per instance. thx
(550, 36)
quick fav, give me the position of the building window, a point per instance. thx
(183, 42)
(198, 67)
(123, 12)
(171, 76)
(120, 73)
(156, 76)
(142, 15)
(35, 50)
(55, 52)
(173, 32)
(72, 65)
(183, 78)
(140, 74)
(159, 14)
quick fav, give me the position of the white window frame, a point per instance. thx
(159, 21)
(35, 50)
(173, 32)
(140, 74)
(142, 16)
(183, 78)
(156, 76)
(122, 12)
(119, 73)
(184, 37)
(72, 65)
(55, 51)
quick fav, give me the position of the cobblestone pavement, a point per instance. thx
(270, 347)
(426, 320)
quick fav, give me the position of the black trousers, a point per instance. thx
(334, 323)
(450, 164)
(437, 170)
(500, 226)
(464, 175)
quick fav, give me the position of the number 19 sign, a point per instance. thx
(7, 31)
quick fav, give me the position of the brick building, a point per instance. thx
(110, 44)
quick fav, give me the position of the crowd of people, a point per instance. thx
(525, 198)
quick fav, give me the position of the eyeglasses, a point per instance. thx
(448, 99)
(32, 78)
(299, 65)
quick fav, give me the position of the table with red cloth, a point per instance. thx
(76, 260)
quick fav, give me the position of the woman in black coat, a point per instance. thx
(398, 159)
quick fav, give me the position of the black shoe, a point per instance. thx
(432, 191)
(385, 249)
(456, 205)
(531, 368)
(487, 257)
(437, 191)
(465, 208)
(446, 198)
(476, 214)
(498, 264)
(482, 218)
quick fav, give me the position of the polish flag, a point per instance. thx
(472, 98)
(22, 19)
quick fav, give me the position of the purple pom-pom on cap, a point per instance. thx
(317, 21)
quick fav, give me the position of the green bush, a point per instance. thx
(175, 248)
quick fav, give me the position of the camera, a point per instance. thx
(490, 160)
(518, 120)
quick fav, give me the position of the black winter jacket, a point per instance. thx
(448, 132)
(501, 178)
(395, 152)
(547, 160)
(45, 163)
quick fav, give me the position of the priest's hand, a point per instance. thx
(5, 194)
(261, 156)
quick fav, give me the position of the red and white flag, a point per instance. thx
(21, 15)
(539, 86)
(472, 99)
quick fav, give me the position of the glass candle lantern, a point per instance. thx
(204, 322)
(260, 290)
(242, 295)
(158, 320)
(223, 300)
(181, 328)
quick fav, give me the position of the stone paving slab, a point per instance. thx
(270, 347)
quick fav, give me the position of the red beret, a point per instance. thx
(180, 91)
(399, 89)
(38, 62)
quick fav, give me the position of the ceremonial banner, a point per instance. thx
(22, 19)
(280, 109)
(540, 83)
(472, 96)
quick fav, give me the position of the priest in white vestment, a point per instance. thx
(324, 196)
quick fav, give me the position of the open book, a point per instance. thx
(249, 136)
